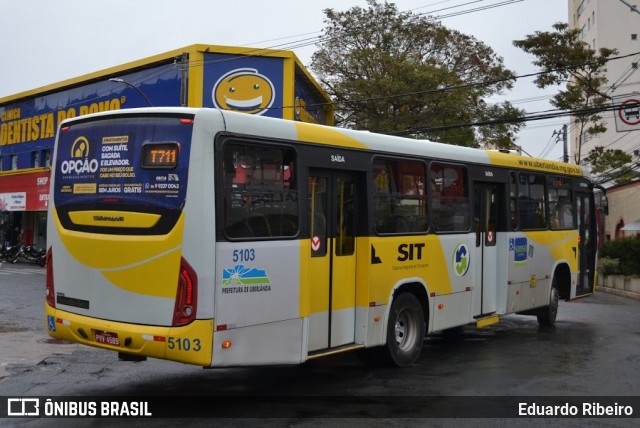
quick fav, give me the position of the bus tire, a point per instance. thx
(547, 314)
(405, 330)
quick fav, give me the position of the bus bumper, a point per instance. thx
(188, 344)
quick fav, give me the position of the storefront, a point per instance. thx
(24, 195)
(261, 82)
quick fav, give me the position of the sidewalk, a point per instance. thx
(24, 343)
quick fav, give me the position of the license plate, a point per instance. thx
(107, 338)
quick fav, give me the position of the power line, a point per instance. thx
(541, 115)
(477, 9)
(632, 7)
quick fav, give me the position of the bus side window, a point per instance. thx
(400, 203)
(531, 202)
(560, 199)
(260, 193)
(318, 213)
(450, 198)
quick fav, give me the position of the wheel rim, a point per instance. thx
(405, 329)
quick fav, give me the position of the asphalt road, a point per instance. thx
(593, 353)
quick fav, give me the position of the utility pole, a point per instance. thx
(562, 135)
(565, 148)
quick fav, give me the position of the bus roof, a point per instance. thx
(242, 123)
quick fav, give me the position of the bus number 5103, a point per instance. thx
(246, 255)
(183, 344)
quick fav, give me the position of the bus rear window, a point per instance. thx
(131, 163)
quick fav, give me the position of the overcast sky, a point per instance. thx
(46, 41)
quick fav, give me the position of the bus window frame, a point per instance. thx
(568, 186)
(467, 169)
(221, 141)
(374, 194)
(545, 200)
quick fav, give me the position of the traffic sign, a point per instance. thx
(627, 113)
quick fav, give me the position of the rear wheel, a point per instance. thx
(405, 330)
(547, 314)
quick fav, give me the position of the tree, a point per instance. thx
(567, 60)
(610, 165)
(398, 72)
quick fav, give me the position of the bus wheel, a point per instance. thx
(547, 314)
(405, 330)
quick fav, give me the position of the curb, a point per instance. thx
(617, 292)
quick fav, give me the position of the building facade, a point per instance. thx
(611, 24)
(625, 200)
(614, 24)
(255, 81)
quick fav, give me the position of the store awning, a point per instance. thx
(632, 227)
(26, 190)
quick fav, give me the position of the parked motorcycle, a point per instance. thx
(10, 253)
(34, 255)
(26, 253)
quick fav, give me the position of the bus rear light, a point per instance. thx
(186, 296)
(50, 289)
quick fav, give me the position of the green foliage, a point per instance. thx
(390, 71)
(611, 165)
(567, 60)
(627, 251)
(608, 266)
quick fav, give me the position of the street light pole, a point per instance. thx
(118, 80)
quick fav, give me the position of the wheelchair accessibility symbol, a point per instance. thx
(52, 323)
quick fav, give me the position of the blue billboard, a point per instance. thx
(249, 84)
(28, 126)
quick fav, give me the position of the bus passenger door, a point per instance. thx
(487, 197)
(587, 229)
(332, 266)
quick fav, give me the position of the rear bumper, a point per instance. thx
(188, 344)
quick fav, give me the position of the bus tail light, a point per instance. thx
(187, 295)
(50, 289)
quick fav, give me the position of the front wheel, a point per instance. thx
(405, 330)
(547, 314)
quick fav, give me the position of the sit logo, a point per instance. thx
(461, 259)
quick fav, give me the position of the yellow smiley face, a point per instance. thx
(244, 90)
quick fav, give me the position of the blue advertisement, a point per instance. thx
(249, 84)
(125, 161)
(30, 125)
(309, 105)
(520, 247)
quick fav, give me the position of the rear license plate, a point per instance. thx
(107, 338)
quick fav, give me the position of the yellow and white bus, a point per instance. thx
(224, 239)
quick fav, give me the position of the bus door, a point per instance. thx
(587, 229)
(332, 267)
(487, 200)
